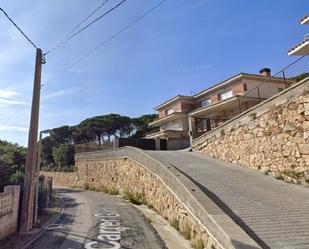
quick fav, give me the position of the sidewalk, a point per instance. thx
(23, 240)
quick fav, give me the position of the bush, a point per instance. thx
(198, 244)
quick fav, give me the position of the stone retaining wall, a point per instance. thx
(272, 137)
(162, 187)
(9, 203)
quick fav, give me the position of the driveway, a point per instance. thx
(274, 213)
(97, 220)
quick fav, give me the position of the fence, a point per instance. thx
(292, 73)
(9, 203)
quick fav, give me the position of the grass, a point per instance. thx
(198, 244)
(175, 224)
(186, 233)
(134, 197)
(108, 190)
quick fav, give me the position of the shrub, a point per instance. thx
(198, 244)
(186, 232)
(175, 223)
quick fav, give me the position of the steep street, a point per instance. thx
(97, 220)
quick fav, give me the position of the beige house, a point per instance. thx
(184, 117)
(303, 47)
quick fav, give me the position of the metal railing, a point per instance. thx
(292, 73)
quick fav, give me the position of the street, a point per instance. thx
(97, 220)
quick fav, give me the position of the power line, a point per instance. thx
(85, 27)
(16, 26)
(91, 14)
(108, 40)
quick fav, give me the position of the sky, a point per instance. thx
(181, 47)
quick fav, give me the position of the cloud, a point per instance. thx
(13, 128)
(11, 102)
(61, 92)
(8, 94)
(195, 68)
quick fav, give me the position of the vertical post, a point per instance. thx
(284, 79)
(259, 95)
(28, 191)
(36, 207)
(239, 105)
(190, 130)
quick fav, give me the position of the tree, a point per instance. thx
(64, 155)
(142, 124)
(63, 134)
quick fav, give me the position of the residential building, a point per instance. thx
(183, 117)
(303, 47)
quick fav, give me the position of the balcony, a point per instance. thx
(166, 134)
(171, 117)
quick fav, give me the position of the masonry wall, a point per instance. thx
(62, 179)
(9, 203)
(272, 137)
(127, 176)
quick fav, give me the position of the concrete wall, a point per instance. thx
(165, 189)
(272, 137)
(9, 203)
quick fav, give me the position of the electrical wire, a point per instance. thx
(107, 40)
(84, 28)
(19, 29)
(90, 15)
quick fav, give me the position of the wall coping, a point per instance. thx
(280, 98)
(221, 227)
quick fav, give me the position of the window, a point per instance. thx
(226, 95)
(169, 111)
(205, 102)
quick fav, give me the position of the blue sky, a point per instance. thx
(182, 47)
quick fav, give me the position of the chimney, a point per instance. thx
(266, 72)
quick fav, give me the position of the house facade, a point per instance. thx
(187, 117)
(303, 47)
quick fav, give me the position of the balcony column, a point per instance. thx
(190, 130)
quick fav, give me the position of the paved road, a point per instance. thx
(274, 213)
(96, 220)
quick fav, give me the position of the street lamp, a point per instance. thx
(38, 174)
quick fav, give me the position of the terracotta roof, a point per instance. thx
(235, 77)
(178, 97)
(303, 19)
(297, 46)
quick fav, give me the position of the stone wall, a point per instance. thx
(62, 179)
(9, 204)
(130, 171)
(272, 137)
(128, 177)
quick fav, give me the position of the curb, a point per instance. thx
(43, 228)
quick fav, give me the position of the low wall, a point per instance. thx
(9, 203)
(165, 189)
(62, 179)
(272, 137)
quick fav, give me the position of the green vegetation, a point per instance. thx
(175, 223)
(301, 77)
(198, 244)
(134, 197)
(186, 232)
(12, 164)
(58, 148)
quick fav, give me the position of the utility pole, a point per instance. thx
(29, 183)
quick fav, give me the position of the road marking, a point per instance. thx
(110, 230)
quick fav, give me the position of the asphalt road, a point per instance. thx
(97, 220)
(274, 213)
